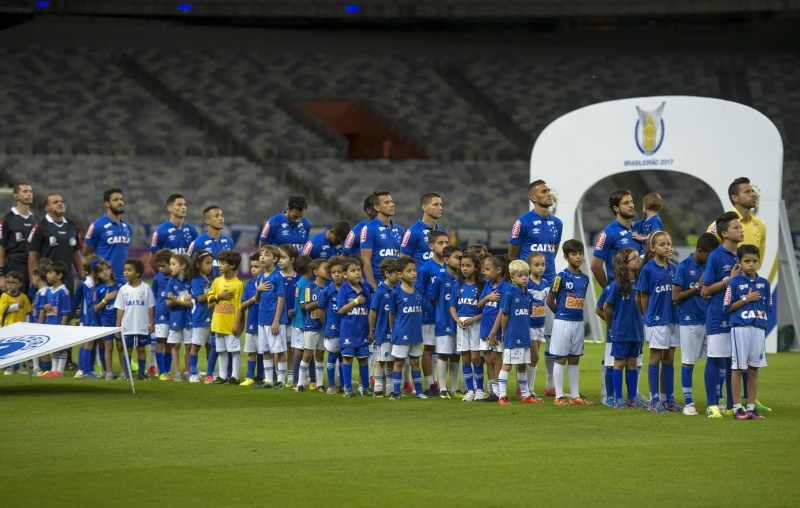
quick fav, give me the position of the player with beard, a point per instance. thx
(110, 235)
(615, 237)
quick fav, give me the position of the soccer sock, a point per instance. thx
(101, 355)
(230, 366)
(477, 373)
(744, 386)
(653, 379)
(167, 363)
(251, 368)
(711, 378)
(84, 357)
(416, 376)
(669, 381)
(686, 383)
(260, 366)
(193, 365)
(62, 363)
(558, 379)
(453, 375)
(159, 363)
(611, 387)
(638, 378)
(212, 360)
(632, 380)
(363, 374)
(347, 376)
(152, 352)
(302, 373)
(728, 390)
(549, 362)
(721, 380)
(616, 383)
(296, 366)
(282, 366)
(340, 362)
(92, 358)
(522, 383)
(435, 361)
(319, 370)
(142, 366)
(397, 380)
(312, 371)
(573, 373)
(466, 373)
(441, 370)
(502, 384)
(269, 369)
(236, 364)
(332, 369)
(530, 371)
(751, 407)
(36, 365)
(223, 364)
(378, 378)
(429, 381)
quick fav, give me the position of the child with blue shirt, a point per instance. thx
(651, 205)
(39, 281)
(327, 302)
(159, 286)
(56, 311)
(439, 293)
(625, 328)
(353, 302)
(105, 291)
(295, 287)
(465, 313)
(538, 288)
(379, 330)
(438, 239)
(405, 321)
(83, 303)
(199, 274)
(566, 301)
(179, 301)
(313, 345)
(748, 302)
(271, 296)
(250, 304)
(495, 269)
(692, 309)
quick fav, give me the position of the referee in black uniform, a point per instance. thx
(15, 227)
(56, 239)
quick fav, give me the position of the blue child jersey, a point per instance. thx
(278, 231)
(600, 301)
(319, 247)
(517, 304)
(626, 321)
(645, 227)
(180, 317)
(492, 309)
(159, 287)
(384, 241)
(656, 281)
(110, 241)
(169, 236)
(352, 244)
(59, 299)
(539, 294)
(691, 311)
(38, 302)
(534, 233)
(570, 290)
(380, 304)
(415, 243)
(440, 292)
(464, 298)
(719, 265)
(426, 276)
(327, 301)
(251, 324)
(311, 294)
(201, 314)
(268, 301)
(84, 298)
(355, 324)
(753, 313)
(108, 314)
(611, 240)
(299, 320)
(212, 245)
(407, 310)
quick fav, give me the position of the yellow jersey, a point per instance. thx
(17, 316)
(755, 233)
(226, 312)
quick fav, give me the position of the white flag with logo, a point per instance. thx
(22, 341)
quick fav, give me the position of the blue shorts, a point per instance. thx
(132, 341)
(358, 352)
(620, 350)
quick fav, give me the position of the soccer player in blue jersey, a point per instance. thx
(110, 236)
(212, 240)
(290, 226)
(56, 310)
(439, 293)
(464, 311)
(625, 328)
(313, 344)
(651, 205)
(416, 243)
(352, 242)
(174, 234)
(748, 302)
(615, 237)
(654, 289)
(200, 273)
(566, 301)
(379, 330)
(380, 238)
(159, 287)
(516, 308)
(328, 243)
(692, 309)
(328, 304)
(438, 239)
(179, 301)
(721, 267)
(271, 296)
(353, 302)
(405, 321)
(495, 271)
(250, 304)
(538, 287)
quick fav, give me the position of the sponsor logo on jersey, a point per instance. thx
(515, 229)
(412, 309)
(601, 240)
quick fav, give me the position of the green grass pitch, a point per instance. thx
(68, 442)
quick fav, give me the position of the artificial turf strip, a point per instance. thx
(68, 442)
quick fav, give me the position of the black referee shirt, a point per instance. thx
(53, 241)
(14, 232)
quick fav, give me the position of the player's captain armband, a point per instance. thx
(556, 284)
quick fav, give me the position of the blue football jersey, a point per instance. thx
(614, 238)
(84, 298)
(180, 317)
(293, 299)
(110, 241)
(352, 244)
(626, 321)
(656, 281)
(384, 241)
(719, 265)
(517, 305)
(355, 323)
(539, 294)
(380, 304)
(426, 276)
(251, 324)
(108, 314)
(492, 309)
(753, 313)
(159, 287)
(201, 314)
(645, 227)
(464, 297)
(212, 245)
(327, 301)
(169, 236)
(534, 233)
(318, 247)
(407, 310)
(279, 231)
(60, 300)
(440, 292)
(268, 302)
(691, 311)
(601, 300)
(415, 242)
(313, 320)
(570, 290)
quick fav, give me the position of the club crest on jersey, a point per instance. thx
(649, 130)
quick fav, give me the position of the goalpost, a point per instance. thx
(713, 140)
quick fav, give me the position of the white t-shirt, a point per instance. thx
(135, 303)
